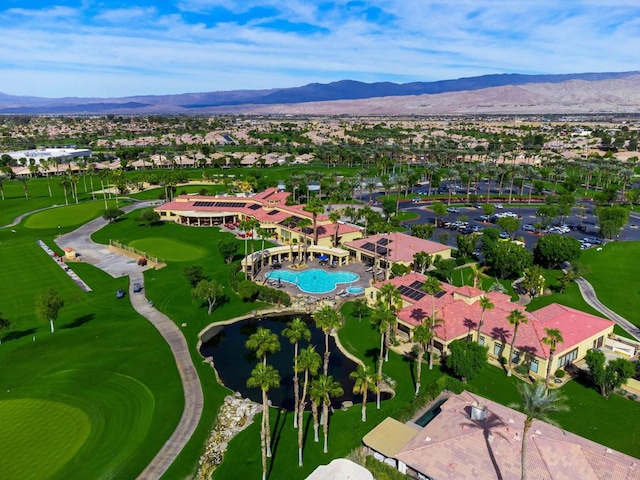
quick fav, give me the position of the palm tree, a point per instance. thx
(309, 363)
(335, 218)
(315, 208)
(515, 318)
(264, 377)
(296, 331)
(365, 381)
(537, 404)
(391, 297)
(64, 183)
(327, 319)
(302, 225)
(323, 389)
(381, 318)
(263, 342)
(431, 286)
(485, 304)
(422, 336)
(552, 339)
(432, 322)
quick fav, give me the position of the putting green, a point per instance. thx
(168, 249)
(36, 431)
(65, 216)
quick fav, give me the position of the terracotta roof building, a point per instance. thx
(460, 311)
(474, 438)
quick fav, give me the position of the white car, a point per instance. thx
(498, 206)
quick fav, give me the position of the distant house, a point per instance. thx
(460, 311)
(473, 438)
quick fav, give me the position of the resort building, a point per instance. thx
(471, 437)
(385, 249)
(460, 311)
(290, 225)
(39, 155)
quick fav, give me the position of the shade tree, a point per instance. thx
(48, 306)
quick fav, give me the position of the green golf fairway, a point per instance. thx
(64, 216)
(168, 249)
(39, 432)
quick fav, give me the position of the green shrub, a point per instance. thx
(380, 471)
(522, 369)
(503, 360)
(560, 373)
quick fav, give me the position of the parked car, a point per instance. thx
(120, 293)
(453, 210)
(504, 235)
(137, 288)
(498, 206)
(527, 227)
(582, 228)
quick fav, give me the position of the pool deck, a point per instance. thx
(337, 295)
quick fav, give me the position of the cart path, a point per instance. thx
(118, 265)
(589, 295)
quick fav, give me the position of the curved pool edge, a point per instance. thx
(310, 272)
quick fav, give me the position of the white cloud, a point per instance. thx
(56, 51)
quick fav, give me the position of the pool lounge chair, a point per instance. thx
(369, 269)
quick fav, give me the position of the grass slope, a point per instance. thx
(105, 367)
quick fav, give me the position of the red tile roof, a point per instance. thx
(401, 247)
(453, 446)
(460, 309)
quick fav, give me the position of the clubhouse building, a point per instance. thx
(459, 309)
(269, 208)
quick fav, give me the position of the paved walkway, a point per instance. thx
(118, 266)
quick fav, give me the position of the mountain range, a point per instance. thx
(580, 93)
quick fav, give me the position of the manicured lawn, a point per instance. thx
(67, 216)
(613, 273)
(169, 249)
(102, 394)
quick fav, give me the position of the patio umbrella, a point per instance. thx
(323, 258)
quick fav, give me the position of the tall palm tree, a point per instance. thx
(264, 342)
(431, 286)
(421, 336)
(264, 377)
(335, 218)
(296, 331)
(552, 339)
(64, 183)
(302, 225)
(323, 389)
(309, 363)
(515, 318)
(432, 322)
(485, 304)
(391, 297)
(537, 404)
(327, 320)
(315, 208)
(364, 381)
(381, 318)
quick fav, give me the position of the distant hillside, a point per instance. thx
(474, 93)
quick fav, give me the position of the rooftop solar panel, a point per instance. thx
(255, 206)
(441, 293)
(417, 285)
(273, 212)
(383, 241)
(203, 204)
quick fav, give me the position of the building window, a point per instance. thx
(567, 358)
(481, 340)
(515, 357)
(497, 347)
(597, 343)
(533, 366)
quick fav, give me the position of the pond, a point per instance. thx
(234, 362)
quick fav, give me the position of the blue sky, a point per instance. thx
(109, 48)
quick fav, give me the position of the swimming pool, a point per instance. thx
(315, 280)
(355, 290)
(430, 414)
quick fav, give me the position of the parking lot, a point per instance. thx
(471, 220)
